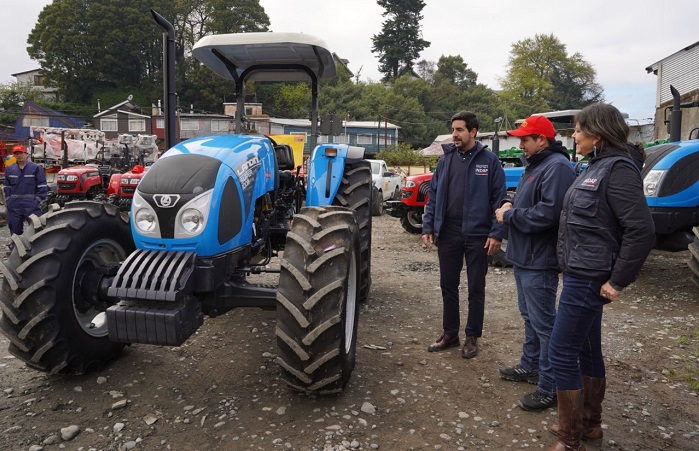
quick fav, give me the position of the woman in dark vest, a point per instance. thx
(605, 234)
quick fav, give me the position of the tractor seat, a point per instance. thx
(285, 157)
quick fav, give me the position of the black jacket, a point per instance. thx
(484, 188)
(533, 219)
(606, 229)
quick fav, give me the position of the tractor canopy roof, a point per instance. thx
(266, 56)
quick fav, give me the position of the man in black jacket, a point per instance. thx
(532, 220)
(466, 188)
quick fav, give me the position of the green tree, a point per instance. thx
(87, 47)
(12, 98)
(541, 76)
(400, 42)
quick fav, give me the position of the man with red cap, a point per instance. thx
(532, 220)
(25, 188)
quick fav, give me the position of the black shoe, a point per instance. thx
(444, 342)
(537, 401)
(519, 374)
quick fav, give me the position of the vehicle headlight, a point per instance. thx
(144, 218)
(72, 178)
(410, 184)
(652, 182)
(61, 177)
(192, 218)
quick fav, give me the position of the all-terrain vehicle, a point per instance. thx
(411, 206)
(671, 185)
(209, 215)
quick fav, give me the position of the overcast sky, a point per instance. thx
(620, 38)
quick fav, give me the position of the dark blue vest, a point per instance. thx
(589, 235)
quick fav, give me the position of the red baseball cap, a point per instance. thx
(535, 125)
(19, 148)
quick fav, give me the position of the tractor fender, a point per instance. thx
(325, 170)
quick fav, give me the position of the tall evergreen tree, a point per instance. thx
(400, 42)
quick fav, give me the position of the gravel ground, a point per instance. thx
(221, 389)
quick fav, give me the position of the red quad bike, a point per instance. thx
(412, 203)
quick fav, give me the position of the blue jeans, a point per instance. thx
(452, 247)
(536, 298)
(575, 349)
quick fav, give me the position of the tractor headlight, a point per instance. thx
(145, 219)
(652, 181)
(410, 184)
(71, 178)
(192, 218)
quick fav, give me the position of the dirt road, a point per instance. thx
(221, 389)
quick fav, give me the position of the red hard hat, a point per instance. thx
(19, 148)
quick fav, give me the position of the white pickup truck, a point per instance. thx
(387, 185)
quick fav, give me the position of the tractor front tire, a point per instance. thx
(411, 220)
(51, 314)
(317, 301)
(355, 193)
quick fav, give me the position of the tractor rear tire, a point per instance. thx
(51, 314)
(694, 257)
(317, 301)
(411, 221)
(355, 193)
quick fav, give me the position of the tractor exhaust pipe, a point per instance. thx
(675, 125)
(169, 94)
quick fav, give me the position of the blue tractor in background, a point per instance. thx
(671, 185)
(85, 280)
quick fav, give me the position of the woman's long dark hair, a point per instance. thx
(604, 121)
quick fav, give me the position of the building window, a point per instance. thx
(364, 139)
(160, 123)
(108, 124)
(276, 129)
(35, 121)
(219, 126)
(189, 124)
(341, 139)
(137, 125)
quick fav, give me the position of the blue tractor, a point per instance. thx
(671, 185)
(211, 214)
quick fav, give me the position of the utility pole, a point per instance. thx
(496, 138)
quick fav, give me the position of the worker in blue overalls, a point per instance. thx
(25, 188)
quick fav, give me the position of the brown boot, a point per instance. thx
(593, 393)
(570, 413)
(593, 390)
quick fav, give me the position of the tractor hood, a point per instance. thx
(199, 195)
